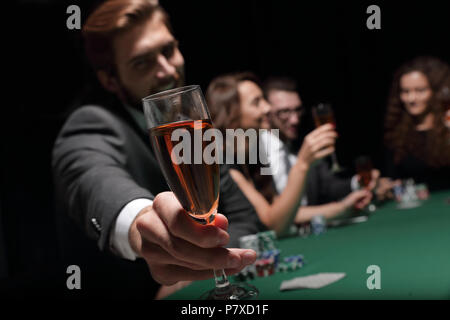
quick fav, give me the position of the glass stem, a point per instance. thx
(223, 289)
(221, 279)
(335, 163)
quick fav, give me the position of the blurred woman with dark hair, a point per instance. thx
(236, 101)
(416, 135)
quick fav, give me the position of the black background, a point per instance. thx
(325, 45)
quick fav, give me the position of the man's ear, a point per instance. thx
(108, 81)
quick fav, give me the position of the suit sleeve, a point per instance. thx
(323, 186)
(89, 167)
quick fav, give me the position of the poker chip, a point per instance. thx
(282, 267)
(250, 241)
(422, 191)
(304, 229)
(260, 242)
(272, 254)
(268, 256)
(318, 225)
(409, 195)
(294, 262)
(266, 240)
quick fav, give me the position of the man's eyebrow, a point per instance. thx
(143, 55)
(151, 52)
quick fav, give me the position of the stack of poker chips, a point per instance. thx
(267, 263)
(422, 191)
(318, 225)
(263, 243)
(266, 241)
(291, 263)
(273, 255)
(410, 195)
(268, 256)
(264, 267)
(304, 229)
(260, 242)
(250, 241)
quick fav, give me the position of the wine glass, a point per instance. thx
(323, 114)
(192, 177)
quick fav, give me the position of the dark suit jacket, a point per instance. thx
(3, 262)
(322, 186)
(102, 160)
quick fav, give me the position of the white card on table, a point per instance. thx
(314, 281)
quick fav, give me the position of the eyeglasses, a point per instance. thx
(285, 114)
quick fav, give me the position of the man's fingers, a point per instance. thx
(358, 195)
(321, 129)
(208, 257)
(169, 274)
(179, 251)
(152, 229)
(221, 222)
(205, 236)
(363, 199)
(375, 174)
(323, 144)
(178, 248)
(183, 226)
(154, 254)
(323, 136)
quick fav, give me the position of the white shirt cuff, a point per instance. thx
(354, 183)
(119, 235)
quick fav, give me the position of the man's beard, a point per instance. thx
(174, 82)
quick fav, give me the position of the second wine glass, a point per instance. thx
(323, 114)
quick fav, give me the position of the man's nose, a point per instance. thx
(293, 118)
(165, 68)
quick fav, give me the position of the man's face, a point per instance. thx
(147, 60)
(285, 112)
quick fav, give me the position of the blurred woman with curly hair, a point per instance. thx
(415, 131)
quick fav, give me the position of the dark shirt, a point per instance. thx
(411, 166)
(321, 186)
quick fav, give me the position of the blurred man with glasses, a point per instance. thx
(325, 194)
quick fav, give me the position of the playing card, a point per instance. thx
(315, 281)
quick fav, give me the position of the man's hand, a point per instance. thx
(384, 188)
(374, 179)
(357, 199)
(318, 144)
(177, 248)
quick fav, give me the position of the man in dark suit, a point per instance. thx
(325, 194)
(106, 173)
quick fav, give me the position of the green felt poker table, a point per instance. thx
(411, 247)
